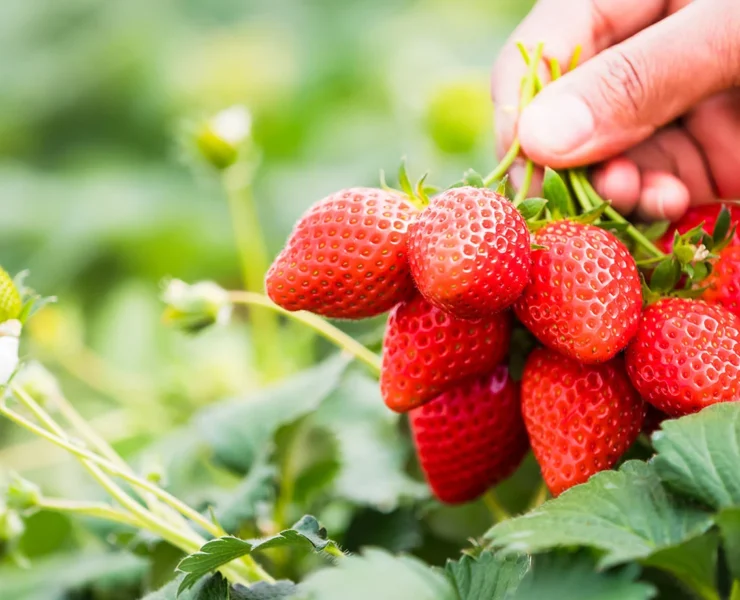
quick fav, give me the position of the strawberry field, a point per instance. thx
(276, 323)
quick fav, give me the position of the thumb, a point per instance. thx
(619, 97)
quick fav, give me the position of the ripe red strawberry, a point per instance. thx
(706, 213)
(580, 418)
(346, 256)
(426, 351)
(470, 437)
(469, 252)
(723, 284)
(686, 356)
(584, 297)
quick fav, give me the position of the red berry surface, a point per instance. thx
(584, 297)
(695, 216)
(346, 256)
(469, 252)
(723, 285)
(686, 356)
(470, 437)
(426, 350)
(580, 418)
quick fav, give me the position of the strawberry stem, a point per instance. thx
(319, 325)
(539, 496)
(530, 87)
(494, 506)
(521, 193)
(596, 200)
(504, 165)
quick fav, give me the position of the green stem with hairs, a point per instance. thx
(631, 230)
(494, 506)
(184, 538)
(237, 182)
(319, 325)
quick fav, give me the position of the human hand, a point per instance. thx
(656, 104)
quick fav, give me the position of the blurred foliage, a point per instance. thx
(99, 202)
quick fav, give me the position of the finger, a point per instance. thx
(562, 26)
(673, 150)
(620, 97)
(663, 196)
(618, 180)
(715, 126)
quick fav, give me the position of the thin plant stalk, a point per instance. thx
(319, 325)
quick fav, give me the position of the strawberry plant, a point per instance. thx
(569, 376)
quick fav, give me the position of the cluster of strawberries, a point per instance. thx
(459, 274)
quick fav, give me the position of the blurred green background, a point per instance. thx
(99, 202)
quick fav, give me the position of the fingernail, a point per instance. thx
(556, 126)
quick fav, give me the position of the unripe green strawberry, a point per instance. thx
(10, 298)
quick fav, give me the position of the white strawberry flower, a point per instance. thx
(701, 253)
(194, 307)
(233, 125)
(10, 333)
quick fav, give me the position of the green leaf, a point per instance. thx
(473, 178)
(721, 226)
(376, 575)
(593, 215)
(238, 430)
(372, 450)
(56, 577)
(242, 503)
(264, 591)
(557, 194)
(573, 577)
(627, 514)
(698, 455)
(728, 522)
(214, 588)
(403, 179)
(656, 230)
(666, 275)
(694, 562)
(532, 207)
(488, 577)
(306, 533)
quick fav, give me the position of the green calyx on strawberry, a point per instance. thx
(684, 271)
(17, 301)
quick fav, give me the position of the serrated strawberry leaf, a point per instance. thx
(372, 452)
(694, 562)
(306, 533)
(729, 525)
(280, 590)
(239, 429)
(488, 576)
(698, 455)
(241, 504)
(573, 577)
(557, 194)
(625, 514)
(374, 575)
(532, 207)
(214, 588)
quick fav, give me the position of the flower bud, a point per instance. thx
(197, 306)
(10, 333)
(11, 524)
(22, 494)
(11, 302)
(220, 138)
